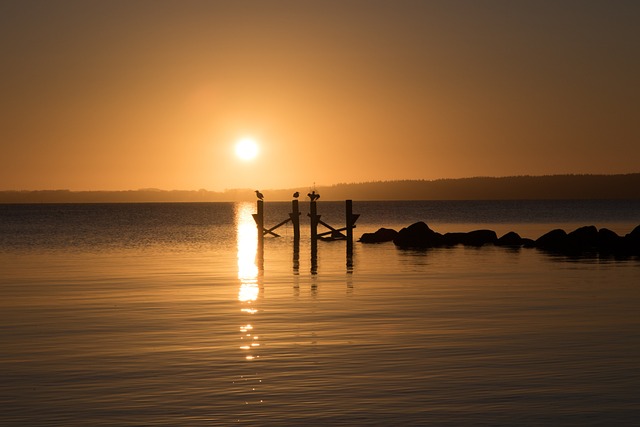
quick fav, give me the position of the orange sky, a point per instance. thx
(114, 95)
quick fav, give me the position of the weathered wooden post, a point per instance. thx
(350, 219)
(313, 214)
(349, 222)
(259, 219)
(295, 219)
(296, 256)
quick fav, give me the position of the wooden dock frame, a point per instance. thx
(350, 220)
(294, 217)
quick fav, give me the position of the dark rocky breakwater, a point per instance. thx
(586, 239)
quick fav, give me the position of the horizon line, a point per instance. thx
(404, 180)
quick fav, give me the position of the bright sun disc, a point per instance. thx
(246, 149)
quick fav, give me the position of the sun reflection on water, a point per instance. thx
(249, 275)
(247, 250)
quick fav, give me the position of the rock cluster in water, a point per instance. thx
(582, 240)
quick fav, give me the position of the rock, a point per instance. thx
(480, 237)
(472, 238)
(452, 239)
(608, 240)
(583, 238)
(417, 235)
(510, 239)
(582, 241)
(632, 241)
(634, 235)
(553, 240)
(382, 235)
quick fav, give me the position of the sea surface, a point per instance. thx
(163, 315)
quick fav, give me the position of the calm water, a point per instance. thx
(157, 314)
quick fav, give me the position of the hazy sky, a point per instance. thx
(113, 95)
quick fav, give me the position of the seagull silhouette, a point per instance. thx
(296, 194)
(259, 195)
(313, 196)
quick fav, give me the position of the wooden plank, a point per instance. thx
(332, 230)
(278, 225)
(328, 226)
(265, 231)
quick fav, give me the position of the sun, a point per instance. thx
(247, 149)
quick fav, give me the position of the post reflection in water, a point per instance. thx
(250, 276)
(296, 257)
(314, 257)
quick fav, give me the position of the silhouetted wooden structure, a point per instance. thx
(350, 220)
(294, 216)
(259, 219)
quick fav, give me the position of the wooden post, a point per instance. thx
(259, 219)
(296, 257)
(349, 223)
(351, 219)
(295, 219)
(314, 258)
(313, 214)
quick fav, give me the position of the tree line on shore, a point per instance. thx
(546, 187)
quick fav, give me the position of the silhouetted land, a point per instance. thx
(548, 187)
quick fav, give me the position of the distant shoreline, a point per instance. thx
(546, 187)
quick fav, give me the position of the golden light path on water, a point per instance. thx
(248, 275)
(247, 249)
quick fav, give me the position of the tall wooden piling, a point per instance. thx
(295, 219)
(296, 256)
(349, 220)
(259, 219)
(313, 215)
(350, 223)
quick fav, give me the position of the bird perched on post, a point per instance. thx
(259, 195)
(296, 195)
(313, 196)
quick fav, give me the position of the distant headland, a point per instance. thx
(546, 187)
